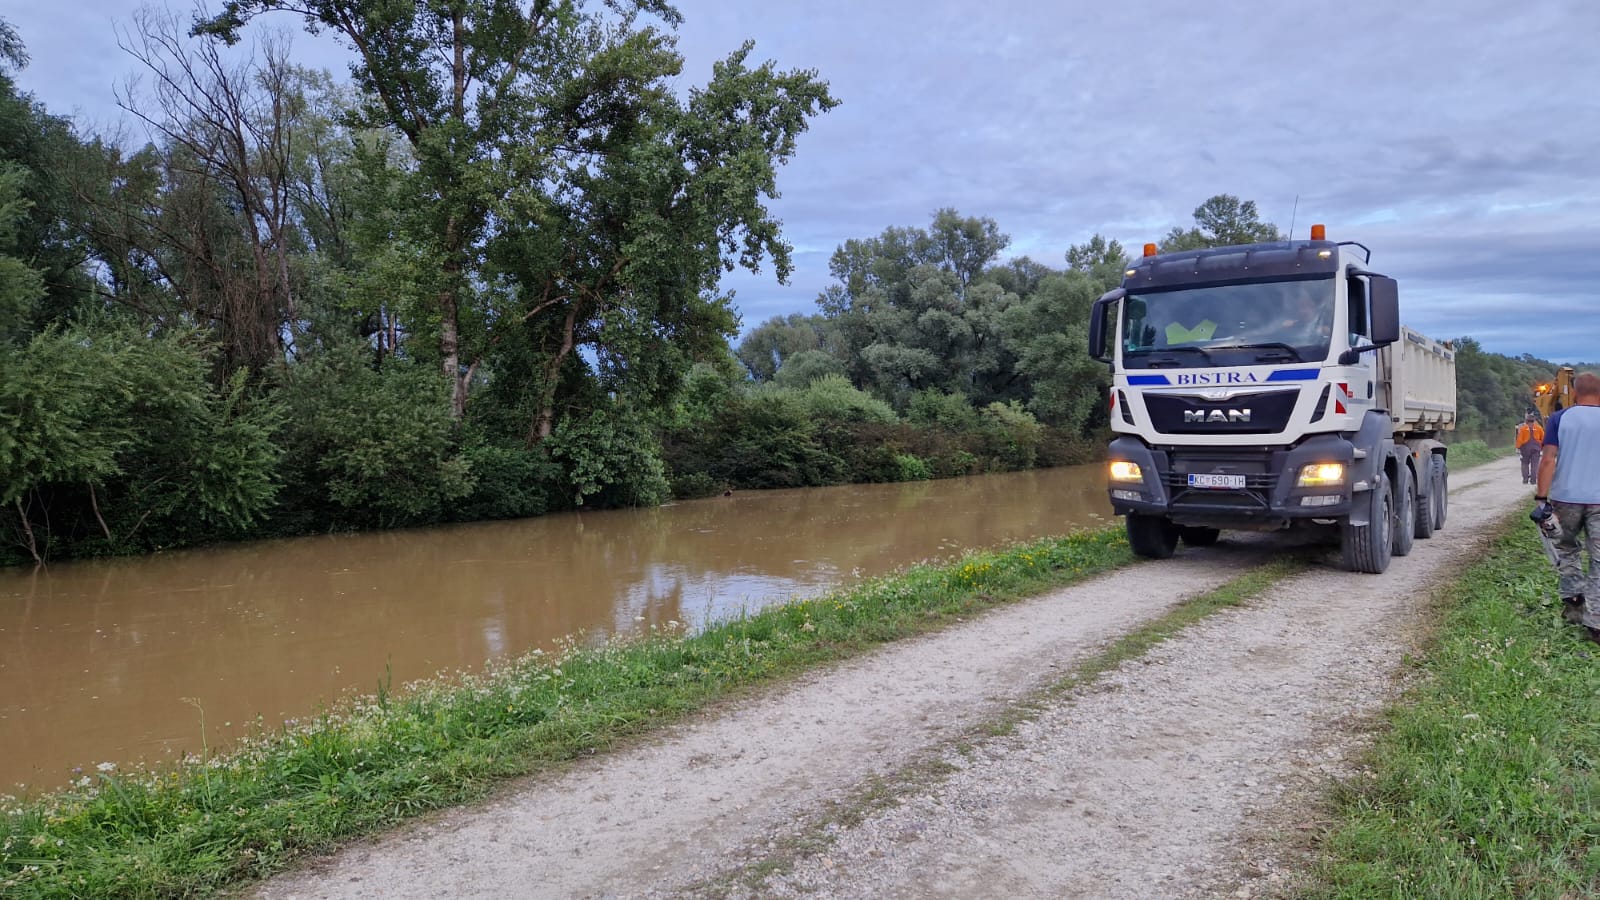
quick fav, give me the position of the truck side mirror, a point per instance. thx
(1384, 294)
(1099, 316)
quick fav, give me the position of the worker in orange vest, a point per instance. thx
(1530, 440)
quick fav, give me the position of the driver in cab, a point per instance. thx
(1305, 322)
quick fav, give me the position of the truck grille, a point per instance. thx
(1266, 412)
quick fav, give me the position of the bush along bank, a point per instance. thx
(1475, 453)
(344, 447)
(216, 820)
(1488, 782)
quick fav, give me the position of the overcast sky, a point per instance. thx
(1459, 139)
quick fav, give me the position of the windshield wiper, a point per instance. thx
(1274, 349)
(1156, 362)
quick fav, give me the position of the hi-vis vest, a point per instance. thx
(1527, 432)
(1178, 334)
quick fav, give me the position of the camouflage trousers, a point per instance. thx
(1580, 533)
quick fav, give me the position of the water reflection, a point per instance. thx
(100, 659)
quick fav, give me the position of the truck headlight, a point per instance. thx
(1122, 470)
(1320, 475)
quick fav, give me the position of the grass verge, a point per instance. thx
(880, 792)
(1467, 454)
(207, 823)
(1487, 783)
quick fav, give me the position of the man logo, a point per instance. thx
(1213, 416)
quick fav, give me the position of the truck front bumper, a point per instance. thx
(1268, 499)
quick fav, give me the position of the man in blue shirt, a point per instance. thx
(1569, 483)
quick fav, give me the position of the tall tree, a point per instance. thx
(12, 52)
(1100, 259)
(1220, 221)
(917, 311)
(774, 342)
(206, 214)
(37, 149)
(1048, 331)
(109, 434)
(561, 192)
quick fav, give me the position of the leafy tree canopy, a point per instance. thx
(1221, 221)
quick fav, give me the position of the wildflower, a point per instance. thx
(107, 767)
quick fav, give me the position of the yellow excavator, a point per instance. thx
(1553, 395)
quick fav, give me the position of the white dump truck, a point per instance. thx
(1272, 386)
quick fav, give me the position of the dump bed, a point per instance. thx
(1420, 390)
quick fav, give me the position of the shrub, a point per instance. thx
(695, 484)
(911, 468)
(511, 483)
(119, 442)
(762, 440)
(376, 441)
(1011, 435)
(832, 398)
(952, 412)
(609, 458)
(807, 366)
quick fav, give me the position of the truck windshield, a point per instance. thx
(1231, 324)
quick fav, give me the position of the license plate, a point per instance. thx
(1216, 481)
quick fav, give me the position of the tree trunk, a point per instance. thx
(450, 351)
(450, 319)
(27, 530)
(545, 421)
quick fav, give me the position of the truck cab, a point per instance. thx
(1271, 386)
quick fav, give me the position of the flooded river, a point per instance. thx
(113, 660)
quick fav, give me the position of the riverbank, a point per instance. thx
(1487, 781)
(214, 820)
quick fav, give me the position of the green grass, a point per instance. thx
(208, 823)
(1467, 454)
(1488, 782)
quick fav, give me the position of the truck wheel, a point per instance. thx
(1405, 510)
(1196, 536)
(1366, 548)
(1152, 537)
(1427, 515)
(1441, 490)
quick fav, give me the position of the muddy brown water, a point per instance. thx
(114, 660)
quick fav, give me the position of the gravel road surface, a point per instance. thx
(1173, 776)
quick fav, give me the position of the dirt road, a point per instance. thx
(1167, 778)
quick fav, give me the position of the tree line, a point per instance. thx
(481, 280)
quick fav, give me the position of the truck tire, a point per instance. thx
(1152, 537)
(1198, 536)
(1366, 548)
(1405, 510)
(1441, 490)
(1427, 514)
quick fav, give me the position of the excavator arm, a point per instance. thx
(1554, 395)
